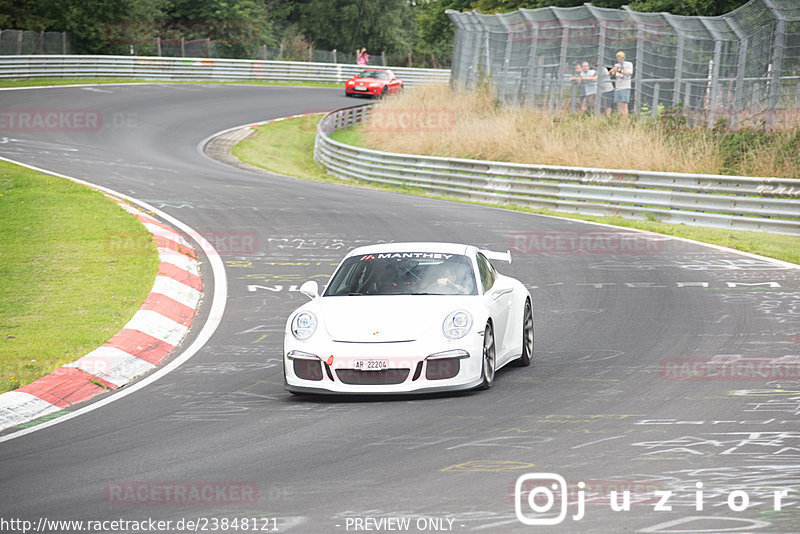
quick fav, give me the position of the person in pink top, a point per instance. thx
(363, 57)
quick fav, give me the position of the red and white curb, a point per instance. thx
(143, 343)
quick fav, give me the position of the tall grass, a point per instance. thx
(476, 125)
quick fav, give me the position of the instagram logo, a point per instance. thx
(539, 491)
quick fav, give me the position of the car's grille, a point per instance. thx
(442, 368)
(308, 369)
(371, 378)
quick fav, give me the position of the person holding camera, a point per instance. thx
(622, 72)
(606, 90)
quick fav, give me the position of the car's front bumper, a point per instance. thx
(413, 366)
(370, 91)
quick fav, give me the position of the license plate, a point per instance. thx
(359, 88)
(371, 365)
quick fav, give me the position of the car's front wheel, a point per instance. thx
(488, 357)
(527, 336)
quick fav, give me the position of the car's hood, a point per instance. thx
(382, 319)
(370, 80)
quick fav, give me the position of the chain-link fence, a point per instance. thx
(19, 42)
(739, 69)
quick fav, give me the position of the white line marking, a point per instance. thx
(593, 442)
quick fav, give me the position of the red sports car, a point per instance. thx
(373, 82)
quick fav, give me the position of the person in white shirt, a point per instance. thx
(622, 72)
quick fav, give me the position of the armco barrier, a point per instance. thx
(171, 68)
(735, 202)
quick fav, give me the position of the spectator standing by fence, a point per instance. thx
(606, 89)
(362, 57)
(622, 72)
(589, 84)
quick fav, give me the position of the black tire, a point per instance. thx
(527, 337)
(347, 94)
(489, 357)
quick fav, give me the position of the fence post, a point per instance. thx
(687, 95)
(676, 88)
(531, 80)
(573, 97)
(19, 43)
(333, 53)
(183, 47)
(158, 45)
(738, 88)
(562, 62)
(64, 43)
(778, 50)
(656, 90)
(601, 56)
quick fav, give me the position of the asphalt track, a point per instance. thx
(599, 405)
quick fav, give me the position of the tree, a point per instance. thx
(345, 25)
(707, 8)
(433, 29)
(23, 15)
(237, 26)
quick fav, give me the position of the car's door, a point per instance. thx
(498, 295)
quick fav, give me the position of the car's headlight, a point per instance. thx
(303, 325)
(351, 82)
(457, 324)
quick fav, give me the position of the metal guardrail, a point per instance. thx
(169, 68)
(735, 202)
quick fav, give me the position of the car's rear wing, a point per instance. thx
(499, 256)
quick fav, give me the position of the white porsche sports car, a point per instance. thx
(408, 318)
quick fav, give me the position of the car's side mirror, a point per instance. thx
(310, 289)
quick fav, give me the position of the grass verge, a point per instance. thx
(286, 147)
(74, 268)
(38, 82)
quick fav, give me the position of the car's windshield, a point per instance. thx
(380, 75)
(404, 273)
